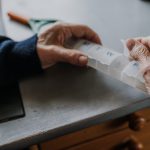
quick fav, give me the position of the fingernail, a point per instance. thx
(83, 60)
(130, 44)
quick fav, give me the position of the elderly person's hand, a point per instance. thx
(51, 44)
(139, 49)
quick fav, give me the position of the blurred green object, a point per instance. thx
(34, 24)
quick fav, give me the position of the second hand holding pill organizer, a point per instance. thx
(112, 63)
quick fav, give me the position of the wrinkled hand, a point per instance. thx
(51, 44)
(139, 50)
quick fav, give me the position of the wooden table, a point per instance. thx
(66, 98)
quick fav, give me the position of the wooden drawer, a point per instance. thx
(84, 135)
(113, 141)
(88, 134)
(145, 113)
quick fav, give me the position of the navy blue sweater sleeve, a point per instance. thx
(18, 59)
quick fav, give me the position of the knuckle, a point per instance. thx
(74, 57)
(85, 26)
(53, 47)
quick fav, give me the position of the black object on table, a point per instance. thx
(11, 106)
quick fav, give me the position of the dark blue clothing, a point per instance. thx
(18, 59)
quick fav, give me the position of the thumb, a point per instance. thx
(72, 56)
